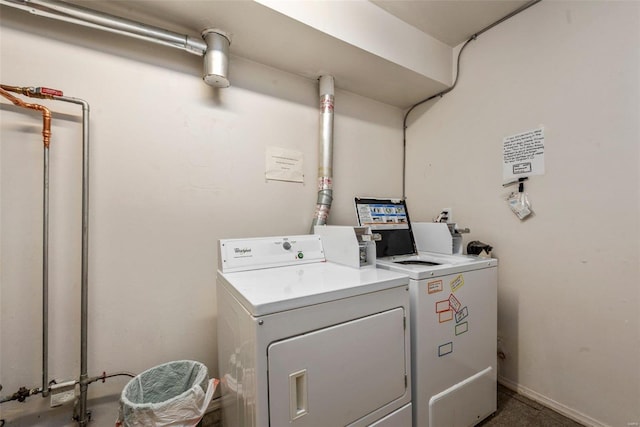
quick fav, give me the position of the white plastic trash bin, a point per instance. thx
(174, 394)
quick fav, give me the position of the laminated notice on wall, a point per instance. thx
(523, 155)
(284, 165)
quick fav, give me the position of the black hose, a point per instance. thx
(20, 395)
(104, 376)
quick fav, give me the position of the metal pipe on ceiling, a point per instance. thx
(91, 18)
(213, 44)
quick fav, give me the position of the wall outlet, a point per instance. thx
(62, 393)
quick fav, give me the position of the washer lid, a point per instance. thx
(433, 264)
(272, 290)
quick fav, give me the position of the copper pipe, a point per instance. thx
(46, 114)
(34, 92)
(15, 89)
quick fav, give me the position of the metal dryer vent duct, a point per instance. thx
(214, 46)
(216, 58)
(325, 153)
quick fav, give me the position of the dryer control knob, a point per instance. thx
(286, 245)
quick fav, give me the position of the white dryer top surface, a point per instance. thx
(273, 290)
(444, 264)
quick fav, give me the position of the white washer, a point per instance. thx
(453, 335)
(453, 322)
(305, 342)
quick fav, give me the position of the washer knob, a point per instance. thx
(286, 245)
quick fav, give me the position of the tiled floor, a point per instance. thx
(516, 410)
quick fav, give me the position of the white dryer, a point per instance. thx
(453, 321)
(305, 342)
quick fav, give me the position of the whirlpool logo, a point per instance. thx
(242, 251)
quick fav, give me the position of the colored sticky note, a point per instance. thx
(445, 349)
(435, 286)
(462, 328)
(454, 303)
(445, 316)
(457, 283)
(462, 314)
(442, 306)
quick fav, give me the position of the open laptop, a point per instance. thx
(390, 218)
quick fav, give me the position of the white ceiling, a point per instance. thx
(450, 21)
(263, 35)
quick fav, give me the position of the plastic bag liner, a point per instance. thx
(173, 394)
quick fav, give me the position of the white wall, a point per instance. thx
(569, 296)
(175, 166)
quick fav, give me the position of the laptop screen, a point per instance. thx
(389, 218)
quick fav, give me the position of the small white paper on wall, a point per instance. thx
(284, 165)
(523, 154)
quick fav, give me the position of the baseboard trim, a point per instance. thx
(558, 407)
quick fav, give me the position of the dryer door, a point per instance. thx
(337, 375)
